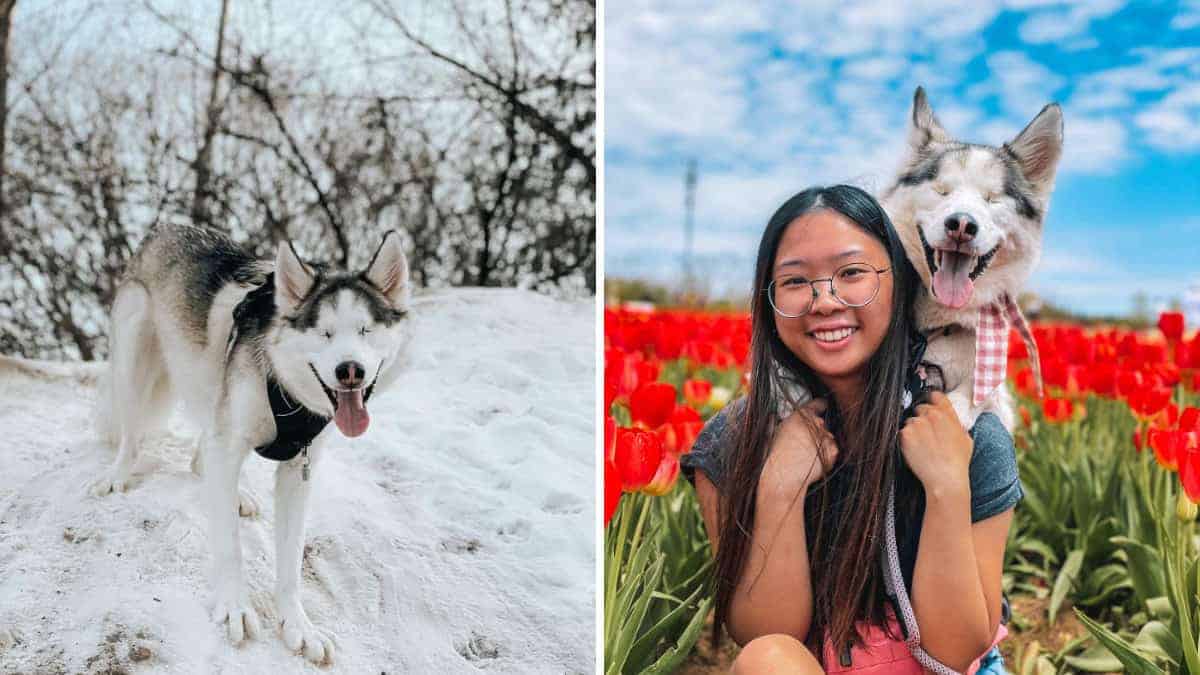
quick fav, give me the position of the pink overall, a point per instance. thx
(884, 656)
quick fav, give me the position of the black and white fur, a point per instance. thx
(1001, 194)
(174, 337)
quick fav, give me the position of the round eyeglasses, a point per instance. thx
(853, 285)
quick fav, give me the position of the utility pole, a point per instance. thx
(689, 213)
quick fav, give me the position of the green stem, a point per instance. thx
(637, 531)
(1184, 610)
(612, 575)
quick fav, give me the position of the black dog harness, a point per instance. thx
(295, 425)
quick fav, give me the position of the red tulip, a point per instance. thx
(685, 413)
(612, 490)
(637, 455)
(1077, 381)
(1171, 325)
(1152, 353)
(1166, 447)
(697, 392)
(1188, 447)
(1129, 381)
(610, 438)
(664, 477)
(624, 372)
(650, 405)
(1166, 418)
(1057, 409)
(1026, 382)
(1145, 403)
(1103, 379)
(1026, 417)
(1016, 346)
(679, 436)
(1190, 419)
(1137, 439)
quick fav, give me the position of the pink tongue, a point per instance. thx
(952, 283)
(351, 416)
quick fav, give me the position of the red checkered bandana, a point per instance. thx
(991, 346)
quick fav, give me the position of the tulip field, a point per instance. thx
(1105, 538)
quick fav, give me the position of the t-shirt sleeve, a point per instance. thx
(995, 483)
(710, 449)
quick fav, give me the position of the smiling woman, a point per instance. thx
(794, 503)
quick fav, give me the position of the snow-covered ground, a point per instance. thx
(456, 535)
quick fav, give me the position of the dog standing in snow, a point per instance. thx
(263, 355)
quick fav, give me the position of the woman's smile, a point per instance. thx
(833, 339)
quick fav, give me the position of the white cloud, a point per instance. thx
(876, 68)
(1173, 123)
(1020, 82)
(1093, 145)
(1060, 23)
(1063, 263)
(1188, 17)
(1080, 43)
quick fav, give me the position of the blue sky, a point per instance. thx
(772, 97)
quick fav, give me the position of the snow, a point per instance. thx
(456, 535)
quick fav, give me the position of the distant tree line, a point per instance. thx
(466, 125)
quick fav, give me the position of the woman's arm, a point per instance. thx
(774, 593)
(956, 580)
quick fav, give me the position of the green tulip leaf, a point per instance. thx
(1065, 582)
(1135, 663)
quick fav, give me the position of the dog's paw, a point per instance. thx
(240, 619)
(302, 637)
(109, 482)
(248, 506)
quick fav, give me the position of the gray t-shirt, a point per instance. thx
(995, 484)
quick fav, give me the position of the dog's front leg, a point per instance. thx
(222, 466)
(291, 505)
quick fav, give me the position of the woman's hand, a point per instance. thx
(794, 461)
(936, 447)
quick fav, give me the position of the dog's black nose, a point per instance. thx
(961, 226)
(350, 373)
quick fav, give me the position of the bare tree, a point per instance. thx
(6, 11)
(479, 150)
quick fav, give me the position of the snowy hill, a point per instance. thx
(456, 535)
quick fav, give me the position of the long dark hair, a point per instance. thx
(844, 510)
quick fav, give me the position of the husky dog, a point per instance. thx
(970, 218)
(262, 355)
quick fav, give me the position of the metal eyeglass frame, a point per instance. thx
(812, 284)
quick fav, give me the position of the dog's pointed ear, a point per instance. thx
(293, 280)
(388, 270)
(925, 127)
(1039, 147)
